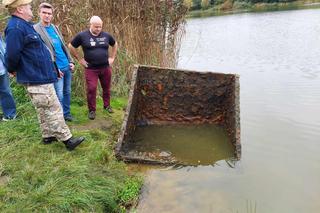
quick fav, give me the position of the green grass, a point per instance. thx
(48, 178)
(79, 110)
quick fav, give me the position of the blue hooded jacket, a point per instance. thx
(27, 55)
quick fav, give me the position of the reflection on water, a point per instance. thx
(187, 144)
(277, 56)
(186, 189)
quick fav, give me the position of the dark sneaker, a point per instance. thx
(108, 109)
(68, 118)
(49, 140)
(92, 115)
(72, 143)
(9, 118)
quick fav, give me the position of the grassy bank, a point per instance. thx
(232, 7)
(48, 178)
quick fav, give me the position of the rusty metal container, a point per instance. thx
(162, 96)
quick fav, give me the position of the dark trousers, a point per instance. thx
(92, 76)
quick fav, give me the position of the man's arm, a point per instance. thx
(75, 54)
(14, 41)
(113, 53)
(64, 44)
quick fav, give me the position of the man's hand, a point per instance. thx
(12, 74)
(60, 75)
(71, 67)
(111, 60)
(83, 62)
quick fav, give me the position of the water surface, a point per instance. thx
(186, 144)
(277, 55)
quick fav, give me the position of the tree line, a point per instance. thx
(205, 4)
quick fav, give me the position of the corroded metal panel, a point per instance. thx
(161, 96)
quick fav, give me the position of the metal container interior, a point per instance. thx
(162, 96)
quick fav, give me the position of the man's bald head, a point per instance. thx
(95, 25)
(95, 19)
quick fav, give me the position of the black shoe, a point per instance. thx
(108, 109)
(92, 115)
(72, 143)
(68, 118)
(49, 140)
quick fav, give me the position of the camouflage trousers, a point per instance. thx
(49, 111)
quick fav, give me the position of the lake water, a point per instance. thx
(277, 55)
(185, 144)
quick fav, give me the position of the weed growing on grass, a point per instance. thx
(130, 192)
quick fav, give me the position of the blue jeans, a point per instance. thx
(63, 90)
(7, 102)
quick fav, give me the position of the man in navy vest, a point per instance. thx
(30, 59)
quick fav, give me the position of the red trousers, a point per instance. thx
(92, 76)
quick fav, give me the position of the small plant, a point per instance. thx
(127, 196)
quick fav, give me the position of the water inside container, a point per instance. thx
(186, 144)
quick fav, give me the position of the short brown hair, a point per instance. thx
(45, 5)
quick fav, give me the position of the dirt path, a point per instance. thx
(101, 123)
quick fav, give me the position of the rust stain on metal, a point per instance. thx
(160, 87)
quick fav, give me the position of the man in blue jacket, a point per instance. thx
(30, 59)
(6, 99)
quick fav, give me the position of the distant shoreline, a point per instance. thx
(243, 7)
